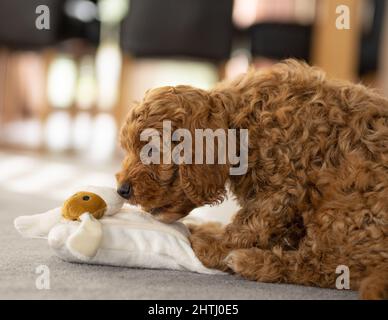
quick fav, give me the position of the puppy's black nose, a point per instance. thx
(124, 190)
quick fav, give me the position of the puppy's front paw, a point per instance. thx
(255, 264)
(238, 260)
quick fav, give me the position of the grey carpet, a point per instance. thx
(20, 257)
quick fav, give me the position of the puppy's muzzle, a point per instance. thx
(124, 190)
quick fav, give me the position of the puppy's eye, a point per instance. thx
(85, 198)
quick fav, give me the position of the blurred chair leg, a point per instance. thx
(124, 99)
(12, 101)
(383, 70)
(221, 70)
(45, 109)
(3, 70)
(337, 50)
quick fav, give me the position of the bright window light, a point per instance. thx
(86, 89)
(245, 12)
(152, 73)
(108, 64)
(112, 11)
(82, 10)
(62, 80)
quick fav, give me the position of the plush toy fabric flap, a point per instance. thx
(38, 225)
(85, 241)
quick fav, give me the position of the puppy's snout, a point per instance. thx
(124, 190)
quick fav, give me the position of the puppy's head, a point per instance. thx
(170, 189)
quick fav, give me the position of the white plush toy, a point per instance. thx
(94, 226)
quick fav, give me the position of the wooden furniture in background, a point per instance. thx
(124, 97)
(383, 72)
(337, 50)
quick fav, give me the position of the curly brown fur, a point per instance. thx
(316, 192)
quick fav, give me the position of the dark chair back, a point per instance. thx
(193, 28)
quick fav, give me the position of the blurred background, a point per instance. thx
(65, 91)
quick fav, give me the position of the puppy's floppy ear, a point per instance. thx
(204, 183)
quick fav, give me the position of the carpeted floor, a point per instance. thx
(20, 257)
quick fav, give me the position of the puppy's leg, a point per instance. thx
(256, 225)
(212, 242)
(206, 241)
(275, 265)
(329, 244)
(258, 264)
(375, 285)
(266, 224)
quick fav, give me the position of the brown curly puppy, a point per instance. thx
(315, 195)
